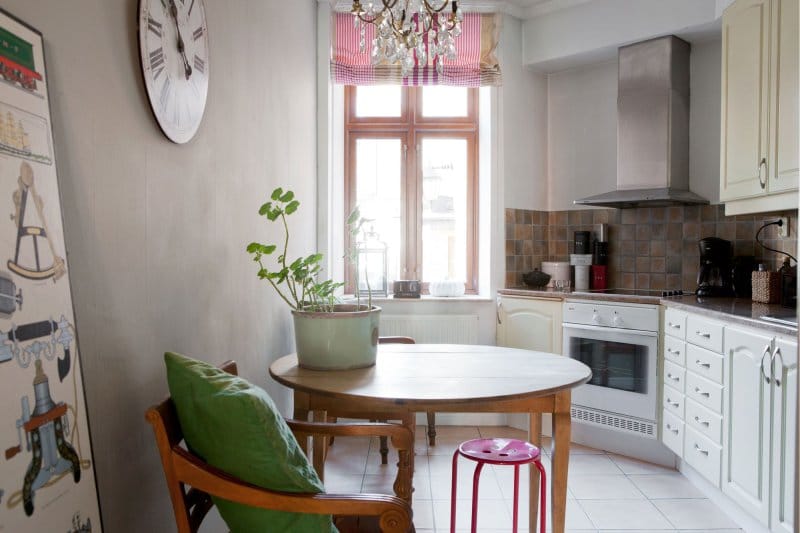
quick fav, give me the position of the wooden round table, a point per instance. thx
(411, 378)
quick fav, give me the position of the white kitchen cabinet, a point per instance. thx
(758, 153)
(784, 442)
(529, 322)
(759, 437)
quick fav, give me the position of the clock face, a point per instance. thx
(173, 46)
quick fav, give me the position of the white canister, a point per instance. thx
(580, 259)
(582, 277)
(559, 273)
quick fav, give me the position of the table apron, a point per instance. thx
(542, 404)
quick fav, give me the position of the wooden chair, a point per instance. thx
(352, 512)
(384, 445)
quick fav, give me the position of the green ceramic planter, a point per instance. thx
(342, 340)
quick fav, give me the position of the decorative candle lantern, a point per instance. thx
(372, 265)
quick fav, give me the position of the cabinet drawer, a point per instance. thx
(704, 363)
(673, 401)
(674, 350)
(674, 376)
(705, 392)
(705, 333)
(672, 433)
(703, 455)
(675, 323)
(704, 421)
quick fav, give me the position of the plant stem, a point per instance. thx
(289, 279)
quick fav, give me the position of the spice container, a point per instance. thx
(766, 286)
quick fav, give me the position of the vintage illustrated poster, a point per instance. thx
(47, 480)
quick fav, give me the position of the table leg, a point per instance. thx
(319, 446)
(535, 438)
(301, 402)
(404, 484)
(560, 462)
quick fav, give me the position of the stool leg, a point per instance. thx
(516, 499)
(542, 495)
(453, 493)
(475, 479)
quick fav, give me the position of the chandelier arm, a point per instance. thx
(433, 9)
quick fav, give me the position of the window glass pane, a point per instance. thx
(378, 101)
(444, 209)
(378, 195)
(439, 101)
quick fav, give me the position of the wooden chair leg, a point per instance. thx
(431, 428)
(333, 420)
(384, 449)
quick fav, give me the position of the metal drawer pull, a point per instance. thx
(676, 326)
(701, 422)
(700, 334)
(699, 449)
(706, 394)
(673, 378)
(676, 352)
(674, 430)
(763, 355)
(674, 404)
(700, 363)
(776, 353)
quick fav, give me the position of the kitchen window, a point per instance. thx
(411, 165)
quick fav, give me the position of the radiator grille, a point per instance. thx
(432, 329)
(615, 421)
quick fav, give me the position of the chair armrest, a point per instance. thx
(394, 513)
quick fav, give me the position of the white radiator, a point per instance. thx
(432, 329)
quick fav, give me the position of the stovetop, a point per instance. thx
(657, 293)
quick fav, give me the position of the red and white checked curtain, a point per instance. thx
(476, 64)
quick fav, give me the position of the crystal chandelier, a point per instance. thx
(409, 31)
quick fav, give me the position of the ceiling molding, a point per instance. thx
(509, 7)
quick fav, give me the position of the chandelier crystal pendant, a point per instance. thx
(408, 32)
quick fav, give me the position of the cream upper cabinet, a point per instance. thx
(759, 150)
(530, 323)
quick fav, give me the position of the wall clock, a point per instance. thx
(173, 48)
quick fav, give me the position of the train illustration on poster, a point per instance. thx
(47, 480)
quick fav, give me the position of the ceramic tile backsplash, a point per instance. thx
(649, 247)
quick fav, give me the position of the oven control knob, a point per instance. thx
(596, 318)
(617, 321)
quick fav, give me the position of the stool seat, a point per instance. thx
(500, 451)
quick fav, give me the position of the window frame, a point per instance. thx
(411, 127)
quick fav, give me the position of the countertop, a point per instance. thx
(742, 311)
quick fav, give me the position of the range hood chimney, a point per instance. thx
(652, 127)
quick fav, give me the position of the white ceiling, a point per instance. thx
(524, 9)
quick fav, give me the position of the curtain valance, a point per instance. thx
(476, 64)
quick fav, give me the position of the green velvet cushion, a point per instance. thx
(234, 426)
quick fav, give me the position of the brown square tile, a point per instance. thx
(642, 264)
(561, 249)
(691, 230)
(527, 263)
(627, 263)
(562, 218)
(539, 233)
(658, 281)
(747, 248)
(690, 249)
(674, 231)
(600, 216)
(690, 265)
(627, 247)
(511, 263)
(658, 215)
(673, 248)
(528, 218)
(643, 248)
(726, 230)
(559, 233)
(519, 216)
(658, 231)
(574, 218)
(509, 216)
(511, 247)
(642, 281)
(675, 213)
(627, 232)
(628, 281)
(658, 248)
(708, 229)
(658, 264)
(746, 230)
(673, 264)
(511, 279)
(586, 217)
(523, 231)
(628, 216)
(642, 232)
(527, 247)
(708, 213)
(674, 282)
(689, 281)
(691, 213)
(510, 231)
(539, 248)
(643, 215)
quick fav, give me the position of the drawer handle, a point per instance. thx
(676, 352)
(673, 404)
(676, 326)
(702, 334)
(699, 449)
(706, 394)
(700, 363)
(674, 430)
(701, 422)
(673, 378)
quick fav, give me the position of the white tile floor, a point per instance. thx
(606, 492)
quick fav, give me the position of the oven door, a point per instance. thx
(623, 364)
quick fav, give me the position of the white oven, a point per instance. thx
(619, 342)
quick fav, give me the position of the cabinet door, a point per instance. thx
(746, 411)
(784, 161)
(530, 323)
(745, 99)
(784, 446)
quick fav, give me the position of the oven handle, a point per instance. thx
(604, 329)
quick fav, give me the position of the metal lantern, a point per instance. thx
(372, 265)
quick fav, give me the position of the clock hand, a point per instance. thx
(173, 9)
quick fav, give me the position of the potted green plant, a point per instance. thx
(329, 334)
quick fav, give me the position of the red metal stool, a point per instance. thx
(498, 452)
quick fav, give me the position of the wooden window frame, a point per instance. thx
(411, 127)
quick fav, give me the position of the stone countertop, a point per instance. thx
(741, 311)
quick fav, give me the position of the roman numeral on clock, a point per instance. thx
(198, 33)
(165, 91)
(199, 64)
(156, 58)
(154, 26)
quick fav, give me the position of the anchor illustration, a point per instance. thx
(27, 190)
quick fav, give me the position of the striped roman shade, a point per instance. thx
(475, 66)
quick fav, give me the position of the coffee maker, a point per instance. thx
(714, 277)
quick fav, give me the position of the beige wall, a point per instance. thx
(155, 231)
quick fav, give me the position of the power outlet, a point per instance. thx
(783, 229)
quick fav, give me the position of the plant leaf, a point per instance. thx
(292, 206)
(276, 194)
(288, 196)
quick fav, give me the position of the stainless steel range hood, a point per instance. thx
(652, 127)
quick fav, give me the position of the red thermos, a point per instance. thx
(599, 277)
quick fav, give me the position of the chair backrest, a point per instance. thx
(396, 340)
(181, 466)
